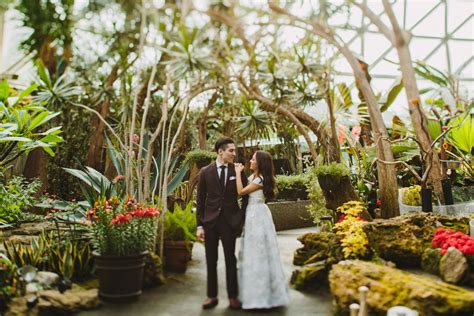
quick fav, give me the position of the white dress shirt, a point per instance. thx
(219, 170)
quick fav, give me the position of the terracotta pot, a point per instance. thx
(120, 277)
(177, 254)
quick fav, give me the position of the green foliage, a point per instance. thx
(48, 20)
(254, 123)
(69, 258)
(200, 157)
(181, 223)
(462, 133)
(292, 187)
(411, 195)
(9, 280)
(122, 227)
(22, 125)
(317, 206)
(16, 197)
(97, 186)
(333, 169)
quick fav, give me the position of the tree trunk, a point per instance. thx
(202, 122)
(97, 139)
(418, 117)
(387, 176)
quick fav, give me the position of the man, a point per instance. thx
(219, 216)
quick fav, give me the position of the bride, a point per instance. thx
(262, 283)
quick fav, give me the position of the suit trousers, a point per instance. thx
(223, 231)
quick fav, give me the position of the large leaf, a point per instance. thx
(434, 128)
(462, 134)
(4, 90)
(25, 93)
(178, 178)
(392, 94)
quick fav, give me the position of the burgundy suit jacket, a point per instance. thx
(212, 200)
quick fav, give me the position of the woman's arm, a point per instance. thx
(241, 190)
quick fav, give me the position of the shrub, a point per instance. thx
(200, 157)
(180, 224)
(9, 281)
(333, 169)
(292, 187)
(16, 197)
(317, 207)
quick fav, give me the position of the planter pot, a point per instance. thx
(120, 277)
(290, 214)
(177, 255)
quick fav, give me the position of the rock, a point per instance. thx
(453, 266)
(21, 239)
(18, 307)
(47, 278)
(33, 288)
(317, 247)
(311, 276)
(403, 239)
(52, 301)
(390, 287)
(430, 260)
(32, 228)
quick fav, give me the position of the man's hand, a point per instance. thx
(200, 234)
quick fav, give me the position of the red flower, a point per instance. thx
(121, 219)
(341, 218)
(378, 203)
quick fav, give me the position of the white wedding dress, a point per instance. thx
(262, 283)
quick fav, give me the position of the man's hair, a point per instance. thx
(222, 143)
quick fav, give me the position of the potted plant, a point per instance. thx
(122, 232)
(180, 232)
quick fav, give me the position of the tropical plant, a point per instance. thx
(9, 280)
(180, 225)
(16, 197)
(22, 122)
(461, 134)
(95, 186)
(71, 259)
(122, 227)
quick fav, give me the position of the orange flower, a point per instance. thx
(415, 101)
(121, 219)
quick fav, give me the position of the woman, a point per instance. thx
(262, 283)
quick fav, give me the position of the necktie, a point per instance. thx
(222, 176)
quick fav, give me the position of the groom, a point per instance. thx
(219, 217)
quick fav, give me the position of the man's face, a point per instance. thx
(228, 155)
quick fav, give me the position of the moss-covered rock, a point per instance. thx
(317, 247)
(403, 239)
(311, 276)
(430, 260)
(390, 287)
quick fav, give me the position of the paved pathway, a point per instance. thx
(183, 294)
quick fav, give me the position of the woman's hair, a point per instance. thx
(267, 171)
